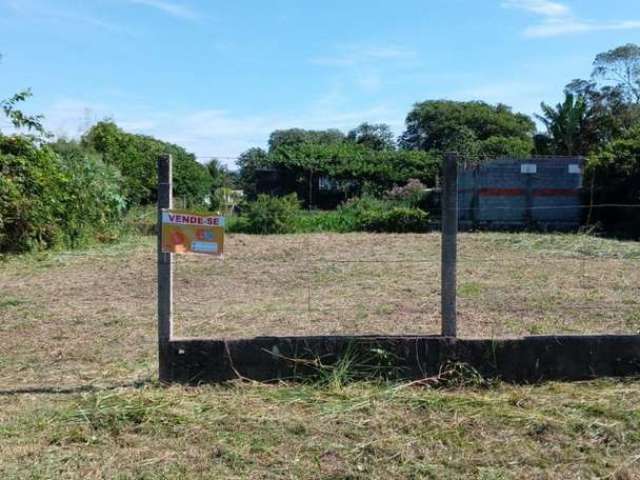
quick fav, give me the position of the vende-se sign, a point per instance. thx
(185, 232)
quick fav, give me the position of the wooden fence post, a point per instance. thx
(165, 267)
(449, 244)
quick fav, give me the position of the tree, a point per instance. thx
(374, 136)
(295, 136)
(248, 162)
(350, 162)
(609, 113)
(220, 184)
(218, 173)
(441, 125)
(136, 156)
(614, 173)
(17, 117)
(565, 124)
(54, 195)
(621, 66)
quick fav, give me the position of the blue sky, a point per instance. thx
(217, 77)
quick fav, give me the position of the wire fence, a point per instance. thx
(87, 321)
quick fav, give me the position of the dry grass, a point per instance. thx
(359, 431)
(86, 319)
(89, 316)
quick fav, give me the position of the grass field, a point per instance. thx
(77, 361)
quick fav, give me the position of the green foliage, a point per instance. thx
(269, 215)
(499, 146)
(621, 66)
(219, 185)
(373, 136)
(565, 124)
(17, 117)
(366, 214)
(347, 161)
(372, 215)
(136, 156)
(443, 125)
(248, 162)
(295, 136)
(47, 199)
(615, 175)
(395, 220)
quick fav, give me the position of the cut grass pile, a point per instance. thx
(356, 431)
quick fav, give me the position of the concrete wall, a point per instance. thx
(498, 193)
(527, 359)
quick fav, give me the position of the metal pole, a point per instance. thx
(449, 244)
(165, 266)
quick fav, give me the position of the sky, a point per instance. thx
(217, 77)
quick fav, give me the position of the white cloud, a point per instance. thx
(174, 9)
(540, 7)
(215, 132)
(569, 26)
(358, 55)
(558, 19)
(35, 10)
(366, 66)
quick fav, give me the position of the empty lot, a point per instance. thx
(77, 361)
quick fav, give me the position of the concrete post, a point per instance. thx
(449, 244)
(165, 266)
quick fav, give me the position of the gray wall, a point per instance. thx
(499, 194)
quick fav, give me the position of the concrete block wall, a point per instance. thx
(538, 192)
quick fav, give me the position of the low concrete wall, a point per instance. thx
(527, 359)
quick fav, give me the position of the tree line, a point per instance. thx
(64, 192)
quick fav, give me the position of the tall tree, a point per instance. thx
(248, 162)
(620, 66)
(565, 123)
(376, 136)
(295, 136)
(218, 173)
(441, 125)
(609, 112)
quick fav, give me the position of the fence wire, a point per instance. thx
(98, 315)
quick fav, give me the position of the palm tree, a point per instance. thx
(565, 124)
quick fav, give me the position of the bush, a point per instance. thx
(268, 215)
(614, 174)
(395, 220)
(48, 200)
(322, 221)
(366, 214)
(136, 157)
(374, 215)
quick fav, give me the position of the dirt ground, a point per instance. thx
(89, 315)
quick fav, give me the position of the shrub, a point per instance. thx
(48, 200)
(395, 220)
(269, 215)
(366, 214)
(373, 215)
(322, 221)
(614, 174)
